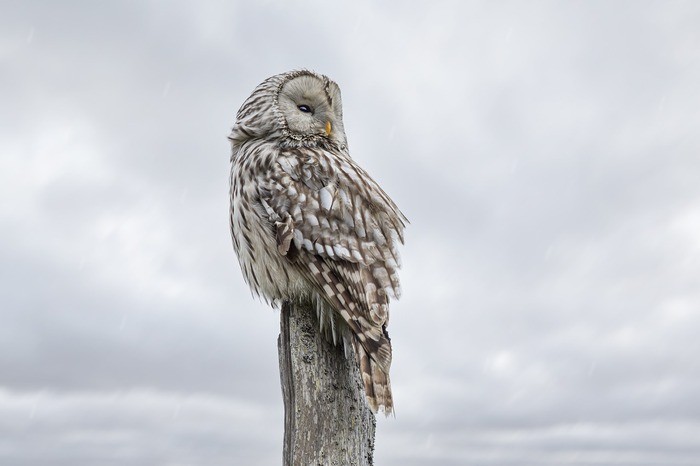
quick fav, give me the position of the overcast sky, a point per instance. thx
(546, 153)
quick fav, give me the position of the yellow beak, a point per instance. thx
(328, 128)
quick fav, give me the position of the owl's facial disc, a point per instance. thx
(306, 106)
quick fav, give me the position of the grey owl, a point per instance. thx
(309, 225)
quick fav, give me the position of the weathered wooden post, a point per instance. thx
(327, 420)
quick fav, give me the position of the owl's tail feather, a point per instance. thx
(376, 382)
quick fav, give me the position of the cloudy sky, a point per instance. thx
(546, 153)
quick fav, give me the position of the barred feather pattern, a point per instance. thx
(309, 224)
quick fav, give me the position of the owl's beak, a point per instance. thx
(328, 128)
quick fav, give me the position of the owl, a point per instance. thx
(309, 225)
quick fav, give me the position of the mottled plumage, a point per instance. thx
(309, 224)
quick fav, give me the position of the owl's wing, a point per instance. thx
(337, 210)
(335, 223)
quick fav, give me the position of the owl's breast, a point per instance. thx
(268, 273)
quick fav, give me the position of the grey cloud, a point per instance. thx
(546, 155)
(138, 427)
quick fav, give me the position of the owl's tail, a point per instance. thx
(375, 380)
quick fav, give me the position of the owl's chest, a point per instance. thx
(268, 273)
(251, 228)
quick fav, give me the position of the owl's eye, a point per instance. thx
(305, 109)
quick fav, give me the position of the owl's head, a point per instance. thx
(300, 107)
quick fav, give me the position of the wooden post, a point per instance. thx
(326, 418)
